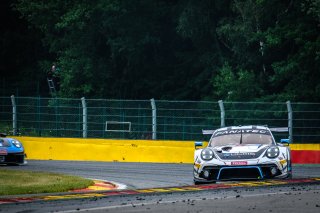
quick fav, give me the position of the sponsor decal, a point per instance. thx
(3, 152)
(241, 131)
(197, 165)
(282, 162)
(239, 163)
(239, 154)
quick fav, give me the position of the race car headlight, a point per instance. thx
(16, 143)
(272, 152)
(207, 154)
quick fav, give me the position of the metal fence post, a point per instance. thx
(290, 120)
(39, 116)
(14, 116)
(222, 113)
(84, 118)
(154, 119)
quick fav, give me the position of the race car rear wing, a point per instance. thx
(207, 132)
(274, 129)
(279, 129)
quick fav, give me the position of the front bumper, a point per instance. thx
(13, 158)
(248, 172)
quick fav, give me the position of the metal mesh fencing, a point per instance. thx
(151, 119)
(119, 119)
(258, 113)
(185, 120)
(49, 117)
(306, 119)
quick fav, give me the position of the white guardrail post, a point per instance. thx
(222, 113)
(154, 119)
(290, 121)
(84, 118)
(14, 116)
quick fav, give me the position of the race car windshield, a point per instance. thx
(4, 143)
(222, 138)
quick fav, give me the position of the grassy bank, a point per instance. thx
(29, 182)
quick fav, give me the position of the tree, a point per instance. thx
(236, 85)
(181, 49)
(115, 48)
(279, 42)
(20, 51)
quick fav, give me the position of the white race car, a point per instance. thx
(242, 153)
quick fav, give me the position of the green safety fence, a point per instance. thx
(151, 119)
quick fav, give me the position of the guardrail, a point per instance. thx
(152, 119)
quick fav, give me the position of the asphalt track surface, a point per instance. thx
(279, 198)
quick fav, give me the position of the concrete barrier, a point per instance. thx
(305, 153)
(134, 150)
(108, 150)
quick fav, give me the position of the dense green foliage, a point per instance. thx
(237, 50)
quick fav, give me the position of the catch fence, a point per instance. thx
(152, 119)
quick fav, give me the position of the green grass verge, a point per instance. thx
(14, 182)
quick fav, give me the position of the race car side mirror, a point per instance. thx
(285, 142)
(198, 144)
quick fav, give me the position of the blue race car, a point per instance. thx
(11, 151)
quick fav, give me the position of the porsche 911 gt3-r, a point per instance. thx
(242, 152)
(11, 151)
